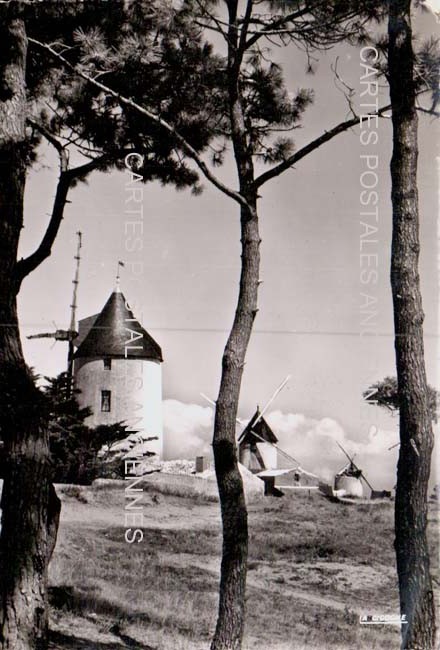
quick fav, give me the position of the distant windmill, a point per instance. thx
(257, 437)
(258, 451)
(70, 334)
(350, 476)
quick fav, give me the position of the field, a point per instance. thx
(314, 567)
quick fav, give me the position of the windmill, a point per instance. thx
(70, 334)
(348, 481)
(258, 449)
(257, 441)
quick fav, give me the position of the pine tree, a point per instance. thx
(248, 106)
(385, 394)
(38, 101)
(415, 407)
(253, 113)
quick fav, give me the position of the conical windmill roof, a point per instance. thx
(117, 334)
(261, 428)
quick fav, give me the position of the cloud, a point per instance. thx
(312, 443)
(434, 5)
(188, 433)
(187, 429)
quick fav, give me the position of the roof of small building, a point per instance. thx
(261, 428)
(117, 334)
(269, 473)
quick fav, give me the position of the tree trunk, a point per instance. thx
(231, 615)
(230, 622)
(30, 507)
(416, 596)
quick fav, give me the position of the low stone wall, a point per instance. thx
(201, 486)
(182, 485)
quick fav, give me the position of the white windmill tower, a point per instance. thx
(348, 481)
(117, 368)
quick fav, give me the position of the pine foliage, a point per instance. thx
(75, 447)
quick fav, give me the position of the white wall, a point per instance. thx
(136, 394)
(269, 454)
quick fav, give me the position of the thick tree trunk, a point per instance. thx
(29, 521)
(30, 507)
(230, 622)
(416, 596)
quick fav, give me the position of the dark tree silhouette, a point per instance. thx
(253, 113)
(79, 453)
(37, 100)
(385, 394)
(415, 409)
(247, 105)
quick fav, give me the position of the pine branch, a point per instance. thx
(67, 177)
(99, 162)
(54, 141)
(209, 16)
(242, 45)
(314, 31)
(314, 144)
(186, 147)
(274, 26)
(428, 111)
(28, 264)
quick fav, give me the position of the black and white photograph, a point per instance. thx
(219, 324)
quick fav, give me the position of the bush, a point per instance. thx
(73, 445)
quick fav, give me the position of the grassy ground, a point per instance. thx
(314, 567)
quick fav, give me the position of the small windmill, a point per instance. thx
(349, 478)
(258, 449)
(70, 334)
(257, 440)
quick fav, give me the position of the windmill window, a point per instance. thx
(106, 400)
(107, 364)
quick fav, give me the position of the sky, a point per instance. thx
(311, 305)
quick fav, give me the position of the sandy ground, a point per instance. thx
(90, 519)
